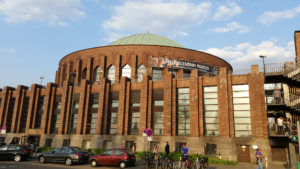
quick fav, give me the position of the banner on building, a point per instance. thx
(179, 64)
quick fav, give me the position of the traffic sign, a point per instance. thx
(149, 132)
(145, 132)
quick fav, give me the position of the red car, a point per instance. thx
(115, 157)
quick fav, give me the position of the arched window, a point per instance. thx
(126, 71)
(83, 76)
(142, 70)
(111, 73)
(97, 74)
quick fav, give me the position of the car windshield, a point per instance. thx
(76, 149)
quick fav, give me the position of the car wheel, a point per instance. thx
(42, 160)
(17, 158)
(68, 161)
(94, 163)
(122, 165)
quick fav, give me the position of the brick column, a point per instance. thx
(167, 103)
(87, 107)
(126, 113)
(174, 108)
(118, 67)
(62, 74)
(31, 106)
(144, 104)
(8, 91)
(105, 113)
(133, 68)
(258, 112)
(51, 108)
(200, 99)
(223, 103)
(122, 106)
(103, 65)
(17, 108)
(47, 107)
(149, 112)
(78, 70)
(101, 105)
(64, 106)
(82, 105)
(230, 106)
(194, 102)
(89, 72)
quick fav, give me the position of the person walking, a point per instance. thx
(259, 158)
(280, 125)
(277, 96)
(155, 151)
(167, 149)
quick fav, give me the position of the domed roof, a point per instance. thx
(146, 39)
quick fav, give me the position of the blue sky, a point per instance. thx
(36, 34)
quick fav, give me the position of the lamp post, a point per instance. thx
(71, 112)
(263, 59)
(41, 78)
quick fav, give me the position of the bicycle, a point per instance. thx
(148, 160)
(202, 162)
(167, 163)
(186, 162)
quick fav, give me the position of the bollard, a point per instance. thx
(266, 162)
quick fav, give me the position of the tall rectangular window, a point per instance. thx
(134, 112)
(183, 112)
(241, 109)
(158, 112)
(24, 115)
(10, 114)
(55, 116)
(113, 113)
(92, 114)
(74, 113)
(156, 74)
(39, 113)
(211, 117)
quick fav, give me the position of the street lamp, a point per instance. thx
(71, 112)
(264, 66)
(41, 78)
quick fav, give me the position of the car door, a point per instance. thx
(53, 155)
(118, 155)
(106, 157)
(3, 152)
(64, 153)
(12, 150)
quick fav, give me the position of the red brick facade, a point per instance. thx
(135, 55)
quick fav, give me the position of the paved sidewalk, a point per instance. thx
(248, 166)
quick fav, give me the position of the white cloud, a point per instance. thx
(157, 16)
(112, 36)
(270, 17)
(53, 12)
(225, 12)
(241, 55)
(233, 26)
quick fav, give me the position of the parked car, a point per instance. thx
(2, 144)
(114, 157)
(68, 155)
(14, 152)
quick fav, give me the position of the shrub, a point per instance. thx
(44, 149)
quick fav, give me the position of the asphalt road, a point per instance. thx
(33, 164)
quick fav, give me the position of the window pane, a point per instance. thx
(210, 89)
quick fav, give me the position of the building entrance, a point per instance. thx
(243, 153)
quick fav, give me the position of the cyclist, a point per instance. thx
(184, 152)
